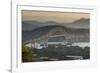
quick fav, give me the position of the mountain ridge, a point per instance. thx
(31, 25)
(38, 32)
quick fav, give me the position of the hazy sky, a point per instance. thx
(43, 16)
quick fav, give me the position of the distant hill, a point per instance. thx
(38, 32)
(81, 23)
(31, 25)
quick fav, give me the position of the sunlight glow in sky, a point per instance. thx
(44, 16)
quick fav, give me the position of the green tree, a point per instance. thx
(27, 54)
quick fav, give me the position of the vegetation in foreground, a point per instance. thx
(50, 53)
